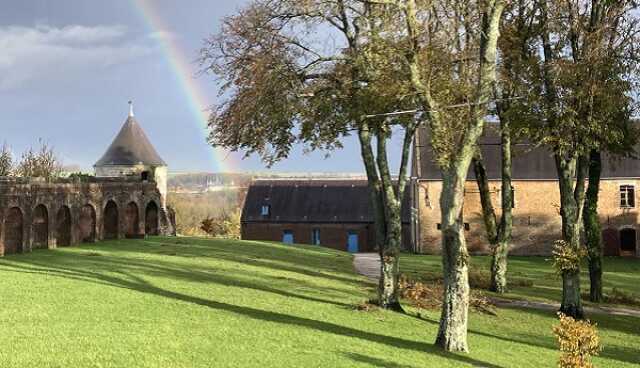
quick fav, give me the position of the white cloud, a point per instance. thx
(45, 53)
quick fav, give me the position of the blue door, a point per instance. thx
(352, 245)
(287, 237)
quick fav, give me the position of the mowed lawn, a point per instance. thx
(181, 302)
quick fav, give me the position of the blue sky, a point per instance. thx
(68, 68)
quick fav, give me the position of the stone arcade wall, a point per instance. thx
(39, 214)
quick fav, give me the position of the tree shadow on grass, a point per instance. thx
(432, 350)
(270, 256)
(619, 353)
(131, 281)
(65, 268)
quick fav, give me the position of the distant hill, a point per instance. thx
(206, 182)
(203, 182)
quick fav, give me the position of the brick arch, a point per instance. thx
(152, 218)
(87, 224)
(132, 220)
(40, 227)
(63, 226)
(628, 240)
(13, 231)
(110, 220)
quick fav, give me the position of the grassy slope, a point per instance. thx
(202, 303)
(621, 273)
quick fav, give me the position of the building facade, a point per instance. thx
(332, 213)
(536, 216)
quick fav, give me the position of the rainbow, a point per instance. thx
(221, 160)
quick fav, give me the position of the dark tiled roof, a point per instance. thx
(131, 147)
(315, 201)
(529, 162)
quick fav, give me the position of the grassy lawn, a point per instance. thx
(541, 282)
(166, 302)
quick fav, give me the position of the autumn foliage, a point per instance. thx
(578, 342)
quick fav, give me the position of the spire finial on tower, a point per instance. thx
(130, 108)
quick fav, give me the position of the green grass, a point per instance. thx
(166, 302)
(620, 273)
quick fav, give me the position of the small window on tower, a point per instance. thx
(627, 196)
(266, 210)
(145, 176)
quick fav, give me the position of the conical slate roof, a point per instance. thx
(131, 147)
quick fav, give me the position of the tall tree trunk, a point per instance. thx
(452, 334)
(592, 227)
(501, 250)
(389, 297)
(387, 285)
(389, 289)
(571, 202)
(499, 235)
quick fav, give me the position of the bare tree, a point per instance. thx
(468, 32)
(283, 84)
(41, 163)
(577, 68)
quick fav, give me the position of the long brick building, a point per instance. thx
(537, 221)
(335, 213)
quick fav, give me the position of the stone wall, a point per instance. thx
(157, 174)
(537, 222)
(39, 214)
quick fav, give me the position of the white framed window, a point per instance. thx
(315, 236)
(266, 210)
(627, 196)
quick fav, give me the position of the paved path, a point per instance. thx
(368, 264)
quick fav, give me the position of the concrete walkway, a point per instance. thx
(368, 264)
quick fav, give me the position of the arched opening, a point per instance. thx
(63, 227)
(13, 231)
(111, 220)
(40, 227)
(151, 219)
(628, 241)
(132, 221)
(144, 176)
(87, 224)
(611, 242)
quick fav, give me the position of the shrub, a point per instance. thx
(226, 225)
(429, 295)
(578, 342)
(567, 258)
